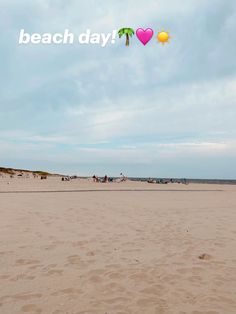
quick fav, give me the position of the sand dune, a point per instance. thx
(131, 248)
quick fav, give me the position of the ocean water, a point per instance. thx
(187, 180)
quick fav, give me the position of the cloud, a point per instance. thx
(115, 105)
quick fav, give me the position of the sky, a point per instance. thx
(154, 110)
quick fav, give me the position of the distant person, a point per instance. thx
(123, 177)
(105, 180)
(95, 178)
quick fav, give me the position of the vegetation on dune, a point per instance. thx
(42, 173)
(6, 170)
(13, 171)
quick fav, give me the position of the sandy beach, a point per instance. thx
(80, 247)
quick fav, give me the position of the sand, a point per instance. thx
(69, 248)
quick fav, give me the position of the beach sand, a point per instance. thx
(81, 247)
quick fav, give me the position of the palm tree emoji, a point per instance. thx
(128, 32)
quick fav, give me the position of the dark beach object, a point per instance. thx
(204, 256)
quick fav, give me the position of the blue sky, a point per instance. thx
(146, 111)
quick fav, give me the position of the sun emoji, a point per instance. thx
(163, 37)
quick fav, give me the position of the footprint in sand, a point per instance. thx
(205, 257)
(139, 276)
(22, 296)
(74, 259)
(22, 277)
(154, 290)
(50, 247)
(23, 262)
(80, 243)
(95, 272)
(209, 312)
(5, 252)
(195, 279)
(96, 279)
(35, 266)
(2, 277)
(48, 267)
(115, 275)
(147, 302)
(91, 253)
(31, 308)
(25, 296)
(54, 272)
(113, 287)
(71, 292)
(50, 270)
(119, 300)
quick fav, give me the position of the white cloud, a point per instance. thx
(179, 99)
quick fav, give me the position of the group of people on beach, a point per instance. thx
(107, 179)
(166, 181)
